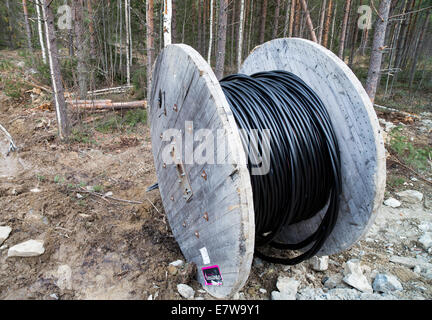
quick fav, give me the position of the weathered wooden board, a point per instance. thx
(219, 215)
(357, 128)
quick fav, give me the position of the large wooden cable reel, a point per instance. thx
(210, 206)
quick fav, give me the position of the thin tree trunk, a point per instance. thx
(222, 29)
(174, 21)
(291, 23)
(56, 78)
(263, 20)
(80, 47)
(287, 18)
(333, 28)
(240, 41)
(27, 26)
(297, 21)
(11, 31)
(327, 24)
(418, 49)
(91, 29)
(250, 25)
(309, 21)
(344, 29)
(167, 19)
(322, 18)
(199, 27)
(276, 17)
(127, 41)
(150, 49)
(40, 31)
(377, 47)
(211, 33)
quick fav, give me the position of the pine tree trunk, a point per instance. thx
(199, 27)
(80, 46)
(322, 18)
(344, 29)
(174, 21)
(91, 29)
(327, 24)
(297, 22)
(333, 27)
(56, 78)
(276, 17)
(263, 21)
(250, 25)
(222, 29)
(292, 15)
(127, 22)
(27, 26)
(418, 49)
(40, 31)
(309, 21)
(377, 47)
(287, 18)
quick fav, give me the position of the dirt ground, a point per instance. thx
(120, 250)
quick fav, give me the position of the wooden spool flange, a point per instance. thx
(210, 205)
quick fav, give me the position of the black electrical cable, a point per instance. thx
(304, 175)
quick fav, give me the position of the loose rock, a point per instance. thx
(30, 248)
(354, 276)
(410, 196)
(185, 291)
(392, 202)
(287, 288)
(177, 263)
(385, 283)
(426, 240)
(320, 263)
(4, 234)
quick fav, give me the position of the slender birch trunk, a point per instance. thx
(377, 47)
(81, 45)
(167, 18)
(211, 33)
(126, 8)
(56, 78)
(333, 27)
(150, 49)
(418, 49)
(40, 31)
(91, 29)
(240, 42)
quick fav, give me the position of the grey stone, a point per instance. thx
(385, 283)
(392, 202)
(185, 291)
(287, 287)
(311, 294)
(333, 281)
(342, 294)
(28, 248)
(4, 233)
(354, 276)
(426, 240)
(177, 263)
(320, 263)
(410, 196)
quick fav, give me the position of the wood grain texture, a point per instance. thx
(357, 129)
(220, 210)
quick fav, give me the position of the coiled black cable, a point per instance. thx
(305, 174)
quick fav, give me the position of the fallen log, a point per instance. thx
(387, 109)
(111, 105)
(87, 101)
